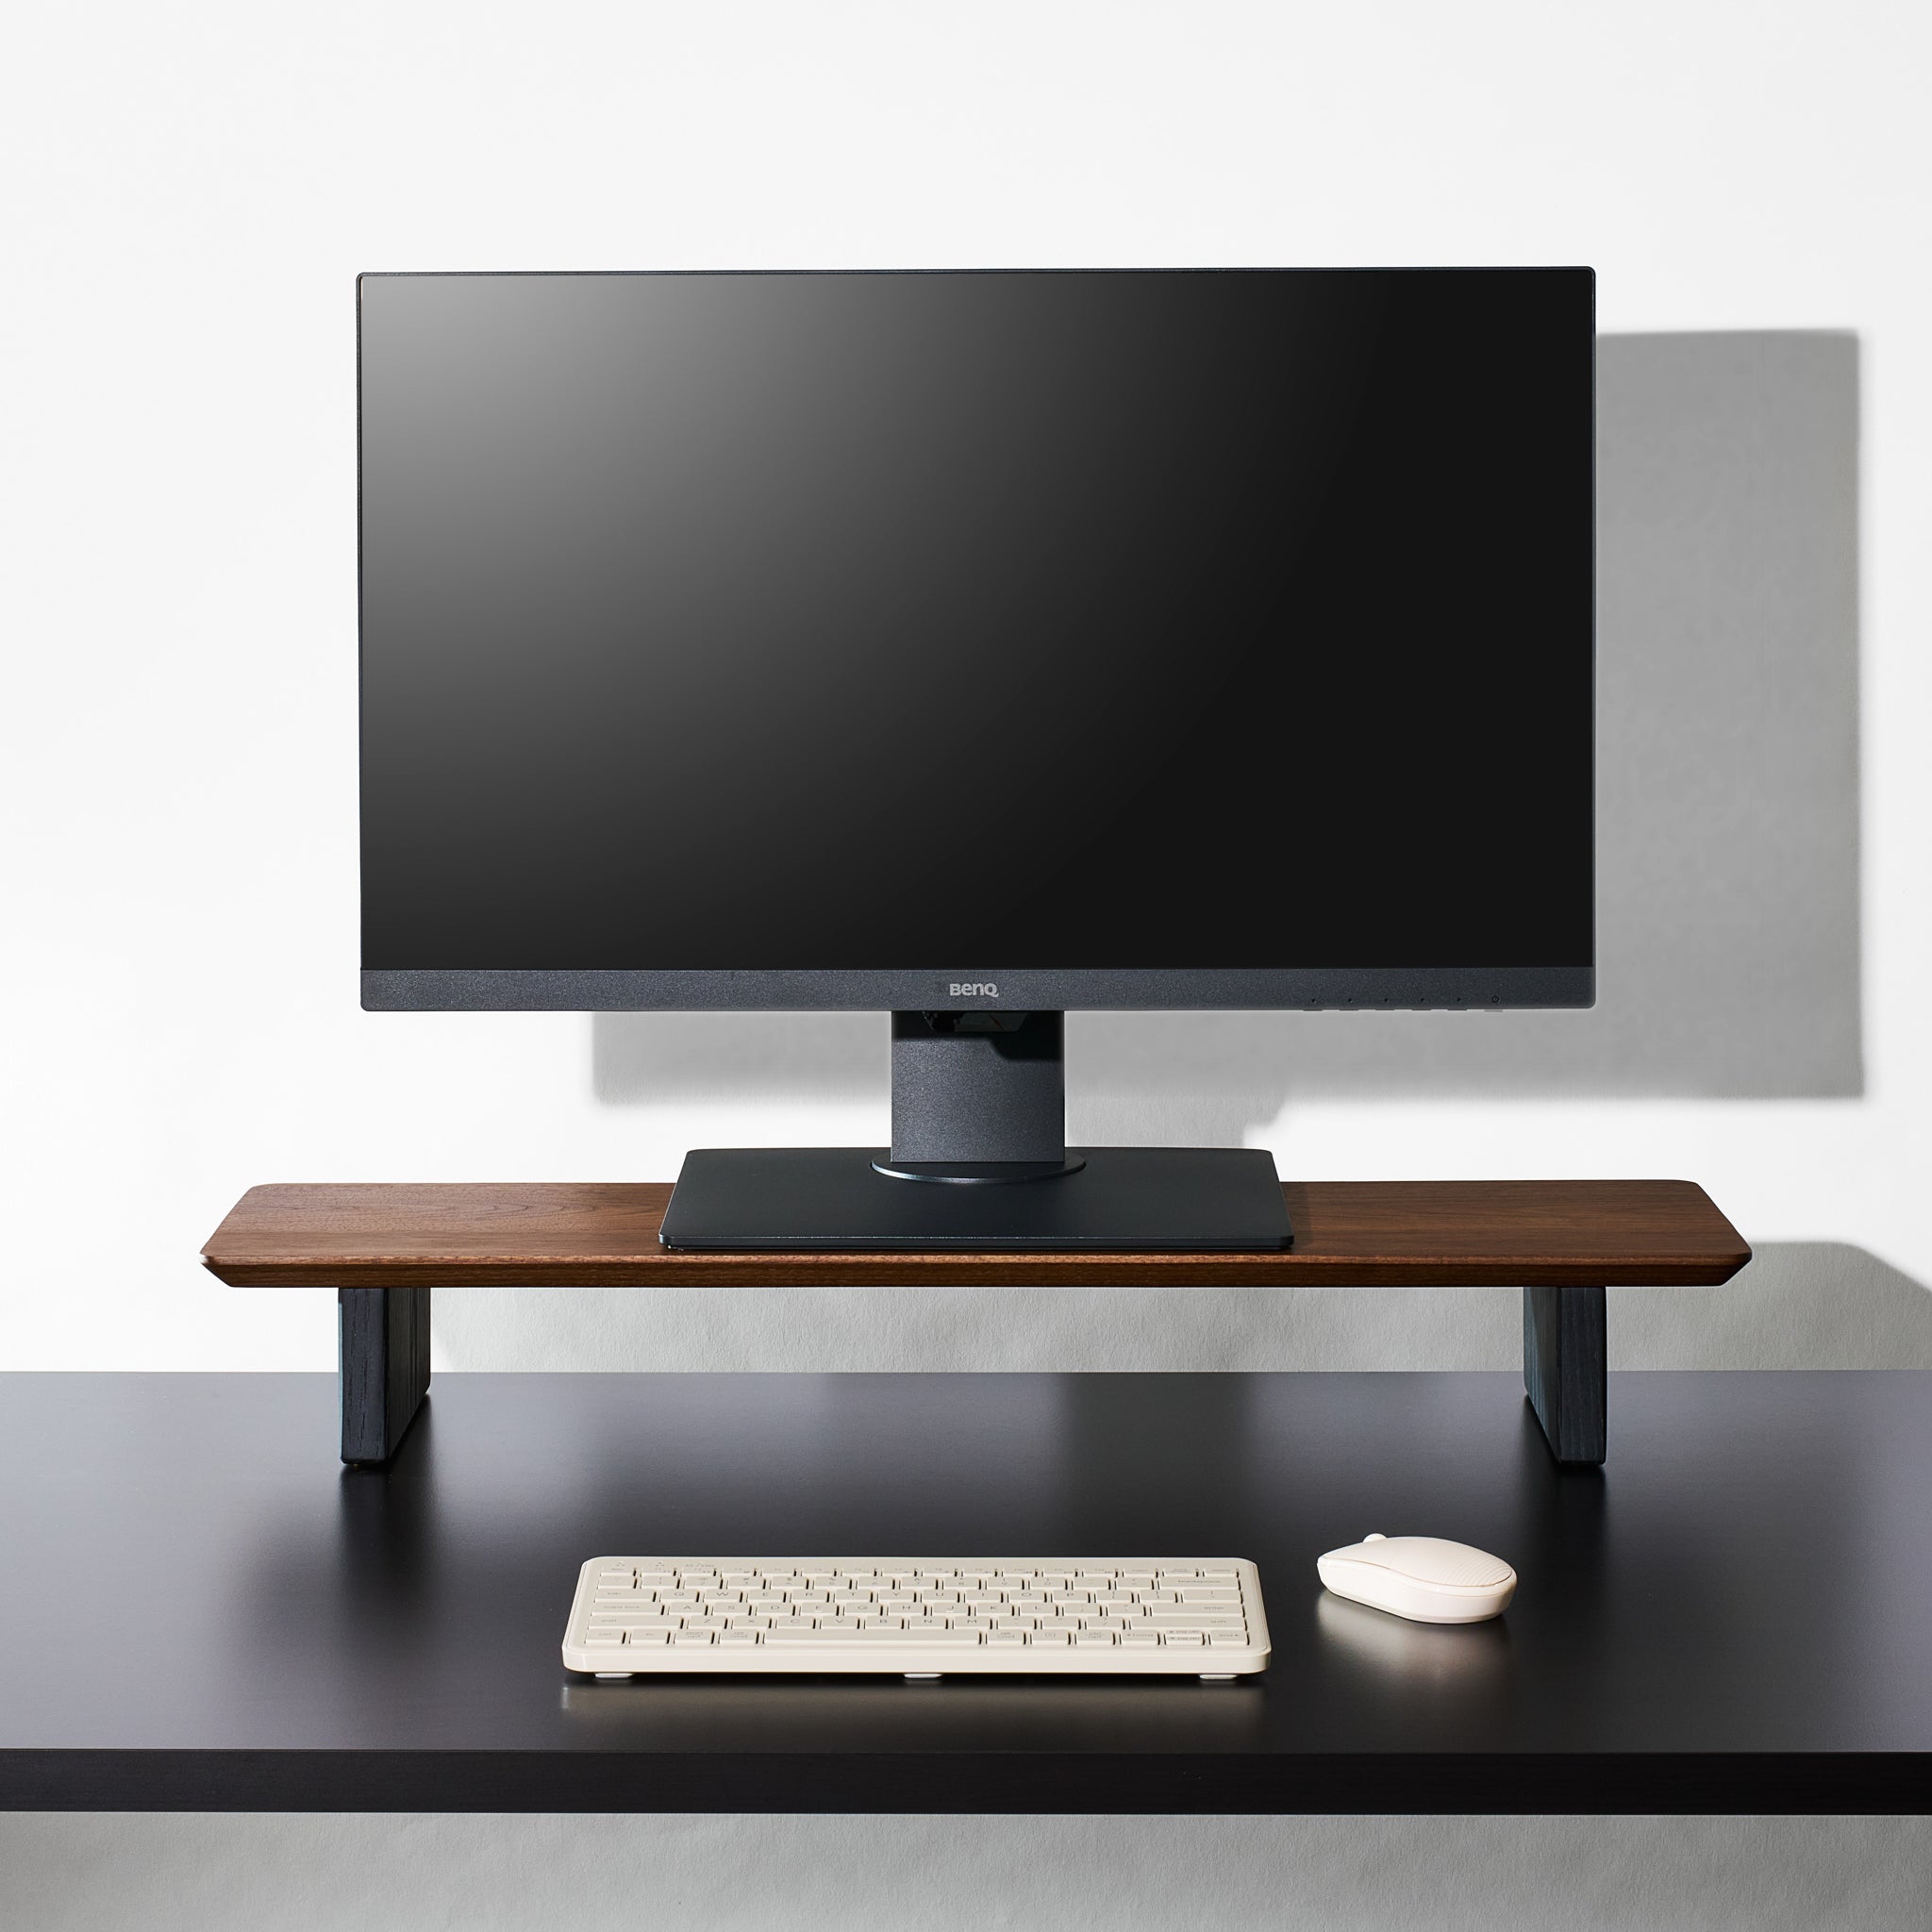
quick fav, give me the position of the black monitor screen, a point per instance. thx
(1129, 619)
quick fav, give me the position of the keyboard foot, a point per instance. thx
(1218, 1677)
(613, 1677)
(923, 1676)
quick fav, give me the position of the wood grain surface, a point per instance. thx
(592, 1234)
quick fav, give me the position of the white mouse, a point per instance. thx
(1421, 1577)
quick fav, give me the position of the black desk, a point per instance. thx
(1735, 1617)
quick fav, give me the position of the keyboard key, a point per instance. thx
(1005, 1639)
(691, 1639)
(1141, 1639)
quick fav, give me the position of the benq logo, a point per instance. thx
(973, 989)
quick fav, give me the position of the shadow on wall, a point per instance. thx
(1727, 812)
(1799, 1305)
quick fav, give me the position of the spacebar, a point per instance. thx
(863, 1640)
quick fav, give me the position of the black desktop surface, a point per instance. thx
(198, 1612)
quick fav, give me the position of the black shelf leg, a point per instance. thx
(1565, 1365)
(384, 1355)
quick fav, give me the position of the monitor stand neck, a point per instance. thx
(979, 1097)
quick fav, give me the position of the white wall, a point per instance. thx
(190, 191)
(193, 190)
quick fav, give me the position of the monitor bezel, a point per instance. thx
(551, 989)
(1032, 989)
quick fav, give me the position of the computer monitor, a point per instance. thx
(972, 646)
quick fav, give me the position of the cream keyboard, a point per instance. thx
(918, 1616)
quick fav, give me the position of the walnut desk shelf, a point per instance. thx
(384, 1246)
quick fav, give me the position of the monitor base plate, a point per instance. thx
(1122, 1200)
